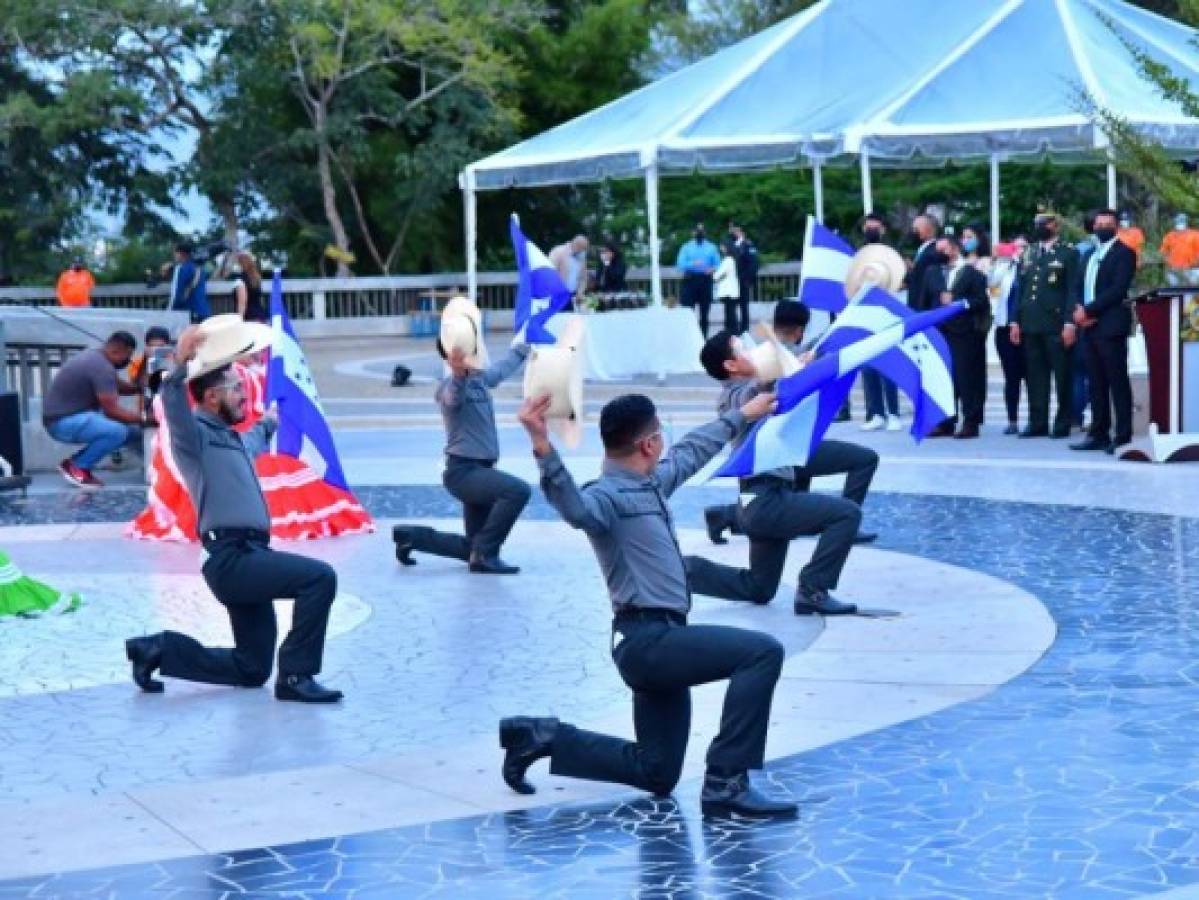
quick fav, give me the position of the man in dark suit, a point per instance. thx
(1107, 320)
(925, 230)
(948, 279)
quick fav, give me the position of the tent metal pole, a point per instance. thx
(995, 197)
(867, 190)
(818, 186)
(1112, 198)
(651, 210)
(470, 220)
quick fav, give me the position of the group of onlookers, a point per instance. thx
(727, 273)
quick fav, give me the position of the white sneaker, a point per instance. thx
(874, 423)
(894, 423)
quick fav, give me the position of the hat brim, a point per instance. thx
(254, 337)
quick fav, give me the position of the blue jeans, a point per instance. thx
(877, 389)
(1081, 387)
(100, 434)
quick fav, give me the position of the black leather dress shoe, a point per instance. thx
(405, 541)
(304, 689)
(941, 431)
(727, 796)
(714, 519)
(1034, 433)
(146, 655)
(1011, 429)
(808, 603)
(525, 739)
(491, 565)
(1091, 443)
(967, 431)
(865, 537)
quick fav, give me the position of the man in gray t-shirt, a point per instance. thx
(82, 406)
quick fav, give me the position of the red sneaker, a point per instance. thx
(77, 476)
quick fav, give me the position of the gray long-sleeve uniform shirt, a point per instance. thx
(217, 463)
(734, 395)
(628, 522)
(468, 411)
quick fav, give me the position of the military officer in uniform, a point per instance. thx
(658, 654)
(1051, 279)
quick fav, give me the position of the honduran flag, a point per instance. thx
(808, 400)
(290, 385)
(540, 291)
(826, 259)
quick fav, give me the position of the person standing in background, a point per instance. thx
(570, 259)
(746, 254)
(75, 285)
(189, 285)
(882, 396)
(1003, 284)
(1180, 250)
(728, 288)
(610, 274)
(697, 260)
(1131, 236)
(247, 291)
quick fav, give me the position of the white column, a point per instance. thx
(995, 236)
(1112, 198)
(651, 213)
(470, 224)
(867, 190)
(818, 186)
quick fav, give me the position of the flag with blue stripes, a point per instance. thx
(290, 386)
(920, 365)
(540, 291)
(809, 399)
(826, 259)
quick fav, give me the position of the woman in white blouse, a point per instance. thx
(727, 289)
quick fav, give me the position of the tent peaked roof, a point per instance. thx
(847, 76)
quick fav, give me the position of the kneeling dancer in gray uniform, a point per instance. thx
(244, 574)
(491, 500)
(658, 654)
(773, 513)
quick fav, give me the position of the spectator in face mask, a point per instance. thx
(1131, 235)
(1180, 249)
(697, 261)
(882, 396)
(610, 274)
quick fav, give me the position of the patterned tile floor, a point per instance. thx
(1077, 779)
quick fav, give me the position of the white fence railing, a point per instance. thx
(397, 295)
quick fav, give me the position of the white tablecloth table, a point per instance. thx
(625, 343)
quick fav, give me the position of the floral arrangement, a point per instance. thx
(621, 300)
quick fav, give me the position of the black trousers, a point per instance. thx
(736, 320)
(247, 577)
(491, 500)
(696, 291)
(1011, 358)
(1047, 358)
(1107, 363)
(969, 353)
(831, 458)
(660, 660)
(771, 520)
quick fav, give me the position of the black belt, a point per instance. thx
(215, 535)
(649, 614)
(453, 460)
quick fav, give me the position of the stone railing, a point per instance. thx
(326, 299)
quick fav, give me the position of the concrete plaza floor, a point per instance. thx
(1023, 728)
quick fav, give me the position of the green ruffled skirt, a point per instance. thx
(22, 596)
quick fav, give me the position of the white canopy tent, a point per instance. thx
(895, 84)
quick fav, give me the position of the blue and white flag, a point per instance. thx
(808, 400)
(289, 384)
(540, 291)
(826, 259)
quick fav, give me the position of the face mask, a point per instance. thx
(941, 259)
(1103, 235)
(1125, 223)
(699, 235)
(1180, 224)
(873, 235)
(915, 235)
(970, 244)
(1043, 232)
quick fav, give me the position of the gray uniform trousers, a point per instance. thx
(831, 458)
(772, 519)
(660, 657)
(491, 500)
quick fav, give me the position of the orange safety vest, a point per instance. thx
(75, 288)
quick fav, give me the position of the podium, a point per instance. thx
(1172, 348)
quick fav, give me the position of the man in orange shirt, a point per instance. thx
(75, 286)
(1131, 236)
(1180, 249)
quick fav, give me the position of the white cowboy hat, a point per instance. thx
(462, 329)
(878, 264)
(771, 359)
(226, 338)
(557, 370)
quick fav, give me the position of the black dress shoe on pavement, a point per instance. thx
(304, 689)
(146, 655)
(1011, 429)
(525, 739)
(735, 796)
(865, 537)
(808, 603)
(714, 519)
(1034, 432)
(941, 431)
(1091, 443)
(405, 541)
(1060, 433)
(967, 431)
(491, 565)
